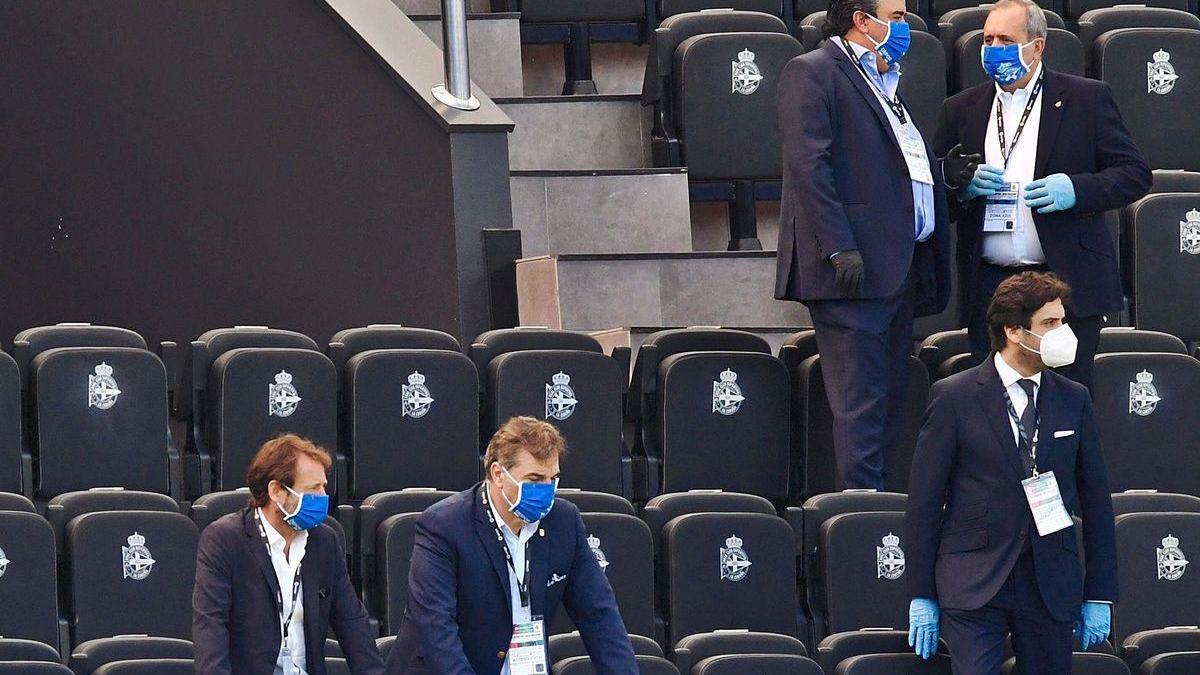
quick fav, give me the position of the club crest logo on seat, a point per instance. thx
(282, 397)
(1143, 397)
(3, 562)
(735, 564)
(889, 559)
(560, 397)
(1160, 74)
(416, 397)
(727, 395)
(102, 388)
(136, 558)
(746, 75)
(593, 543)
(1189, 233)
(1171, 563)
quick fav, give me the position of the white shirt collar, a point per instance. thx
(1009, 375)
(527, 527)
(1023, 93)
(275, 541)
(861, 51)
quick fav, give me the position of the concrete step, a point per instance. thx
(572, 133)
(617, 68)
(434, 7)
(629, 211)
(596, 292)
(494, 46)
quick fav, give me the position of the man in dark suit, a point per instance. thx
(999, 443)
(864, 235)
(1058, 144)
(491, 565)
(271, 579)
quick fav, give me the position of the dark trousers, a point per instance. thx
(976, 637)
(864, 347)
(1086, 328)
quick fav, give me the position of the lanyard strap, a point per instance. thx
(285, 623)
(895, 103)
(1021, 431)
(1006, 151)
(522, 581)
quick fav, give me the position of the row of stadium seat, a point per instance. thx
(694, 567)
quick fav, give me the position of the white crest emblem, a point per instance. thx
(1143, 397)
(417, 399)
(727, 395)
(1160, 74)
(593, 543)
(282, 397)
(746, 75)
(3, 562)
(102, 388)
(136, 558)
(1189, 233)
(734, 561)
(560, 397)
(1171, 563)
(889, 558)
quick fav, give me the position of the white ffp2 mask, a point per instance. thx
(1058, 346)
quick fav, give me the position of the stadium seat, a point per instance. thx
(1120, 339)
(662, 509)
(1079, 9)
(759, 664)
(1096, 22)
(212, 506)
(728, 571)
(958, 22)
(566, 379)
(1179, 663)
(1064, 53)
(1156, 100)
(64, 508)
(861, 558)
(1141, 647)
(409, 411)
(1152, 557)
(148, 667)
(894, 664)
(16, 465)
(15, 502)
(337, 666)
(842, 646)
(153, 585)
(820, 508)
(384, 645)
(567, 645)
(1175, 180)
(16, 649)
(582, 665)
(939, 8)
(595, 502)
(668, 8)
(623, 547)
(33, 668)
(1162, 248)
(938, 347)
(1145, 408)
(1082, 664)
(1153, 501)
(695, 649)
(90, 656)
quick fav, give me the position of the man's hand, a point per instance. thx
(986, 181)
(958, 168)
(849, 268)
(1095, 622)
(923, 615)
(1053, 193)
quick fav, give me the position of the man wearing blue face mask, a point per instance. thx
(491, 566)
(1057, 156)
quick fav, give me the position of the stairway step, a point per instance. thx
(434, 7)
(494, 49)
(566, 133)
(617, 68)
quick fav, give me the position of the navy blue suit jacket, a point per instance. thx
(235, 620)
(967, 462)
(1082, 135)
(846, 186)
(459, 615)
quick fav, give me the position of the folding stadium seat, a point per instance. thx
(1153, 501)
(595, 502)
(694, 650)
(568, 645)
(759, 664)
(820, 508)
(33, 668)
(1121, 339)
(894, 664)
(861, 557)
(939, 347)
(148, 667)
(777, 8)
(410, 409)
(64, 508)
(384, 645)
(582, 665)
(939, 8)
(92, 655)
(955, 23)
(1096, 22)
(1082, 664)
(16, 649)
(662, 509)
(1152, 559)
(28, 591)
(1180, 663)
(695, 93)
(1079, 9)
(152, 589)
(1145, 407)
(1064, 53)
(1175, 180)
(1163, 249)
(1141, 647)
(15, 502)
(16, 466)
(212, 506)
(728, 571)
(566, 379)
(97, 410)
(250, 384)
(625, 551)
(839, 647)
(700, 397)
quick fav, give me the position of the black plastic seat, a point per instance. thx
(696, 649)
(1141, 647)
(1180, 663)
(28, 579)
(596, 502)
(894, 664)
(759, 664)
(582, 665)
(33, 668)
(1096, 22)
(1078, 9)
(15, 502)
(16, 649)
(1152, 556)
(1161, 247)
(148, 667)
(862, 571)
(64, 508)
(1084, 664)
(92, 655)
(839, 647)
(625, 553)
(16, 464)
(662, 509)
(567, 645)
(1153, 501)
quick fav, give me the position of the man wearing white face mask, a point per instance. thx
(1057, 156)
(1008, 451)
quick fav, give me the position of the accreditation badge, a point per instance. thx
(527, 652)
(1045, 501)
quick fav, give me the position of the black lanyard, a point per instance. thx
(522, 582)
(894, 103)
(1037, 422)
(1006, 151)
(284, 622)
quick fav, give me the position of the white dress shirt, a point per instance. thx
(516, 547)
(285, 571)
(1021, 246)
(1009, 377)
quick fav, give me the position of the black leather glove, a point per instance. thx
(958, 168)
(849, 268)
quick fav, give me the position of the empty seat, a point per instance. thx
(595, 502)
(1082, 664)
(958, 22)
(1152, 557)
(938, 347)
(696, 649)
(862, 562)
(64, 508)
(152, 586)
(1120, 339)
(672, 7)
(148, 667)
(1145, 408)
(208, 508)
(894, 664)
(939, 8)
(954, 365)
(1175, 180)
(1079, 9)
(16, 649)
(759, 664)
(1180, 663)
(662, 509)
(1141, 647)
(1162, 247)
(625, 552)
(582, 665)
(15, 502)
(1096, 22)
(842, 646)
(923, 87)
(16, 466)
(28, 591)
(90, 656)
(1064, 54)
(33, 668)
(567, 645)
(1153, 501)
(820, 508)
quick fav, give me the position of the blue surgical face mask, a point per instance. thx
(534, 500)
(1004, 63)
(895, 43)
(310, 510)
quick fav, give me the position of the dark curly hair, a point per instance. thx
(840, 17)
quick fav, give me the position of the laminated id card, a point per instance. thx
(527, 653)
(1049, 513)
(1000, 211)
(914, 155)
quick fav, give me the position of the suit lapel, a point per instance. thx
(977, 118)
(487, 536)
(258, 551)
(539, 549)
(1052, 112)
(310, 578)
(990, 397)
(856, 79)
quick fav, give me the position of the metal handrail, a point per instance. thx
(456, 90)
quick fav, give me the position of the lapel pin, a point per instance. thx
(1058, 105)
(541, 532)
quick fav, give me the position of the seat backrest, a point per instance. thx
(1181, 663)
(958, 22)
(17, 649)
(822, 507)
(505, 340)
(662, 509)
(15, 502)
(1155, 100)
(695, 649)
(665, 343)
(1064, 54)
(1142, 646)
(66, 507)
(924, 92)
(625, 552)
(220, 340)
(1120, 339)
(153, 585)
(1096, 22)
(588, 501)
(28, 591)
(1152, 501)
(894, 664)
(668, 8)
(86, 658)
(580, 11)
(148, 667)
(1079, 9)
(1092, 664)
(940, 346)
(353, 341)
(1162, 246)
(1176, 180)
(12, 478)
(582, 665)
(955, 364)
(379, 507)
(862, 567)
(1144, 405)
(373, 513)
(33, 668)
(567, 645)
(394, 541)
(33, 341)
(841, 646)
(1152, 557)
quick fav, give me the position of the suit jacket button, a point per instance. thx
(500, 655)
(910, 209)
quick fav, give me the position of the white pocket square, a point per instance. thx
(554, 579)
(1064, 433)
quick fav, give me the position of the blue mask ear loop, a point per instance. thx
(512, 506)
(299, 504)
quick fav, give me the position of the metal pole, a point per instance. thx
(456, 91)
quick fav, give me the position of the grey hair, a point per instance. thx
(1035, 17)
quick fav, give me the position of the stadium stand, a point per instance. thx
(894, 664)
(566, 645)
(16, 649)
(1143, 646)
(92, 655)
(1084, 664)
(1182, 663)
(1152, 558)
(582, 665)
(693, 650)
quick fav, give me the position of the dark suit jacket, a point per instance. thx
(846, 186)
(967, 461)
(459, 619)
(1082, 135)
(235, 621)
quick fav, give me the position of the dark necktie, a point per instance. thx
(1027, 421)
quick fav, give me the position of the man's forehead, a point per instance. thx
(1008, 20)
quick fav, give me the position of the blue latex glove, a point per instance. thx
(987, 180)
(1095, 622)
(1053, 193)
(923, 614)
